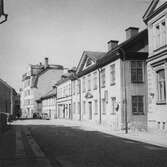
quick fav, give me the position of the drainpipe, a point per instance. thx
(80, 117)
(125, 94)
(100, 119)
(71, 102)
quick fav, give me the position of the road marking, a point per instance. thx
(20, 151)
(40, 157)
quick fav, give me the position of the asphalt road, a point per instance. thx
(73, 147)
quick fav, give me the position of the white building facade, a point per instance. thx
(64, 97)
(156, 19)
(37, 81)
(113, 84)
(49, 104)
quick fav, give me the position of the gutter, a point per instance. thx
(125, 92)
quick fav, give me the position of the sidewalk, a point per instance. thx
(150, 137)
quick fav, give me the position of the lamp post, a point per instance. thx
(3, 15)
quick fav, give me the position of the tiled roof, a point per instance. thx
(35, 79)
(94, 55)
(115, 53)
(65, 77)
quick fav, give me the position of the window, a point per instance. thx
(78, 86)
(78, 108)
(84, 107)
(161, 86)
(73, 87)
(113, 103)
(160, 34)
(163, 36)
(103, 106)
(137, 105)
(103, 78)
(157, 36)
(95, 107)
(137, 71)
(89, 83)
(112, 74)
(95, 81)
(74, 107)
(83, 85)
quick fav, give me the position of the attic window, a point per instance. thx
(88, 63)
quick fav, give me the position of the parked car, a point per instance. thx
(37, 116)
(45, 116)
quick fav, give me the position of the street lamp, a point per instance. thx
(3, 15)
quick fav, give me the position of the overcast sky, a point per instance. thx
(61, 30)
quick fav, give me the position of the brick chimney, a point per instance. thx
(131, 32)
(46, 62)
(112, 44)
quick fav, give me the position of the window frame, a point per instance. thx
(95, 80)
(89, 82)
(112, 74)
(159, 40)
(103, 77)
(95, 106)
(136, 69)
(161, 101)
(138, 107)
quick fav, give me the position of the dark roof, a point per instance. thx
(124, 47)
(94, 55)
(120, 51)
(65, 77)
(35, 78)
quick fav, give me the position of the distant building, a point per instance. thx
(38, 80)
(64, 96)
(48, 103)
(110, 88)
(156, 19)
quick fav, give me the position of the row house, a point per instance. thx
(64, 96)
(155, 18)
(37, 81)
(48, 103)
(110, 88)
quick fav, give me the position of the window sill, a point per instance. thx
(94, 88)
(103, 86)
(103, 113)
(95, 113)
(138, 113)
(161, 103)
(140, 82)
(111, 84)
(112, 113)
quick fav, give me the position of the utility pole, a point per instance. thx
(3, 15)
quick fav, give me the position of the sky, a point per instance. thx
(61, 30)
